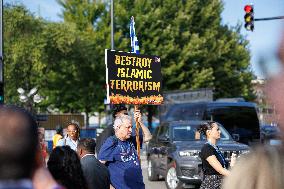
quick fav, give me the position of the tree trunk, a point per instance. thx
(87, 119)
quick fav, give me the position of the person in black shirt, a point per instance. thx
(213, 162)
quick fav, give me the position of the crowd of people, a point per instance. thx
(72, 164)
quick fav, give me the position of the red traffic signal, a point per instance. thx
(248, 8)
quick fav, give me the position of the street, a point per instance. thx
(149, 184)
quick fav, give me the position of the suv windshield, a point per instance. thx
(185, 112)
(189, 132)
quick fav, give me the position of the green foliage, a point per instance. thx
(23, 51)
(84, 13)
(75, 81)
(196, 50)
(65, 63)
(82, 65)
(66, 60)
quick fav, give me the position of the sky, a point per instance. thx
(264, 41)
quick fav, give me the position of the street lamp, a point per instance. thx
(30, 98)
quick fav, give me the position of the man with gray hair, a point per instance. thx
(119, 154)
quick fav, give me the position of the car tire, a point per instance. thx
(152, 174)
(172, 182)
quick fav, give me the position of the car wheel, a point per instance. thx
(152, 175)
(172, 182)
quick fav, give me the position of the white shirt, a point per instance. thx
(68, 142)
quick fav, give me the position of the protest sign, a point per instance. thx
(133, 78)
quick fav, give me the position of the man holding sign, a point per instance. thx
(131, 78)
(119, 153)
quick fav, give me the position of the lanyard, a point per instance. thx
(219, 153)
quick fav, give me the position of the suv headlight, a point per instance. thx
(192, 153)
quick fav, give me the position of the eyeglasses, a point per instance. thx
(72, 131)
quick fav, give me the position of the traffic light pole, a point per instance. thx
(1, 55)
(270, 18)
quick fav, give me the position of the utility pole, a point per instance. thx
(112, 24)
(1, 55)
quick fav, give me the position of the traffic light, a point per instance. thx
(249, 17)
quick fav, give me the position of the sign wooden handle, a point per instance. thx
(137, 132)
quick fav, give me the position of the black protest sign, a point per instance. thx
(133, 78)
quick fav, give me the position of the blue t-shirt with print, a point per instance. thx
(122, 162)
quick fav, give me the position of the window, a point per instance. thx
(186, 112)
(184, 133)
(190, 132)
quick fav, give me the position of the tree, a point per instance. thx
(74, 80)
(86, 56)
(84, 13)
(197, 51)
(23, 51)
(57, 58)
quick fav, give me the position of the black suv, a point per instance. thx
(173, 153)
(239, 118)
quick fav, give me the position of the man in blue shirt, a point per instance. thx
(119, 154)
